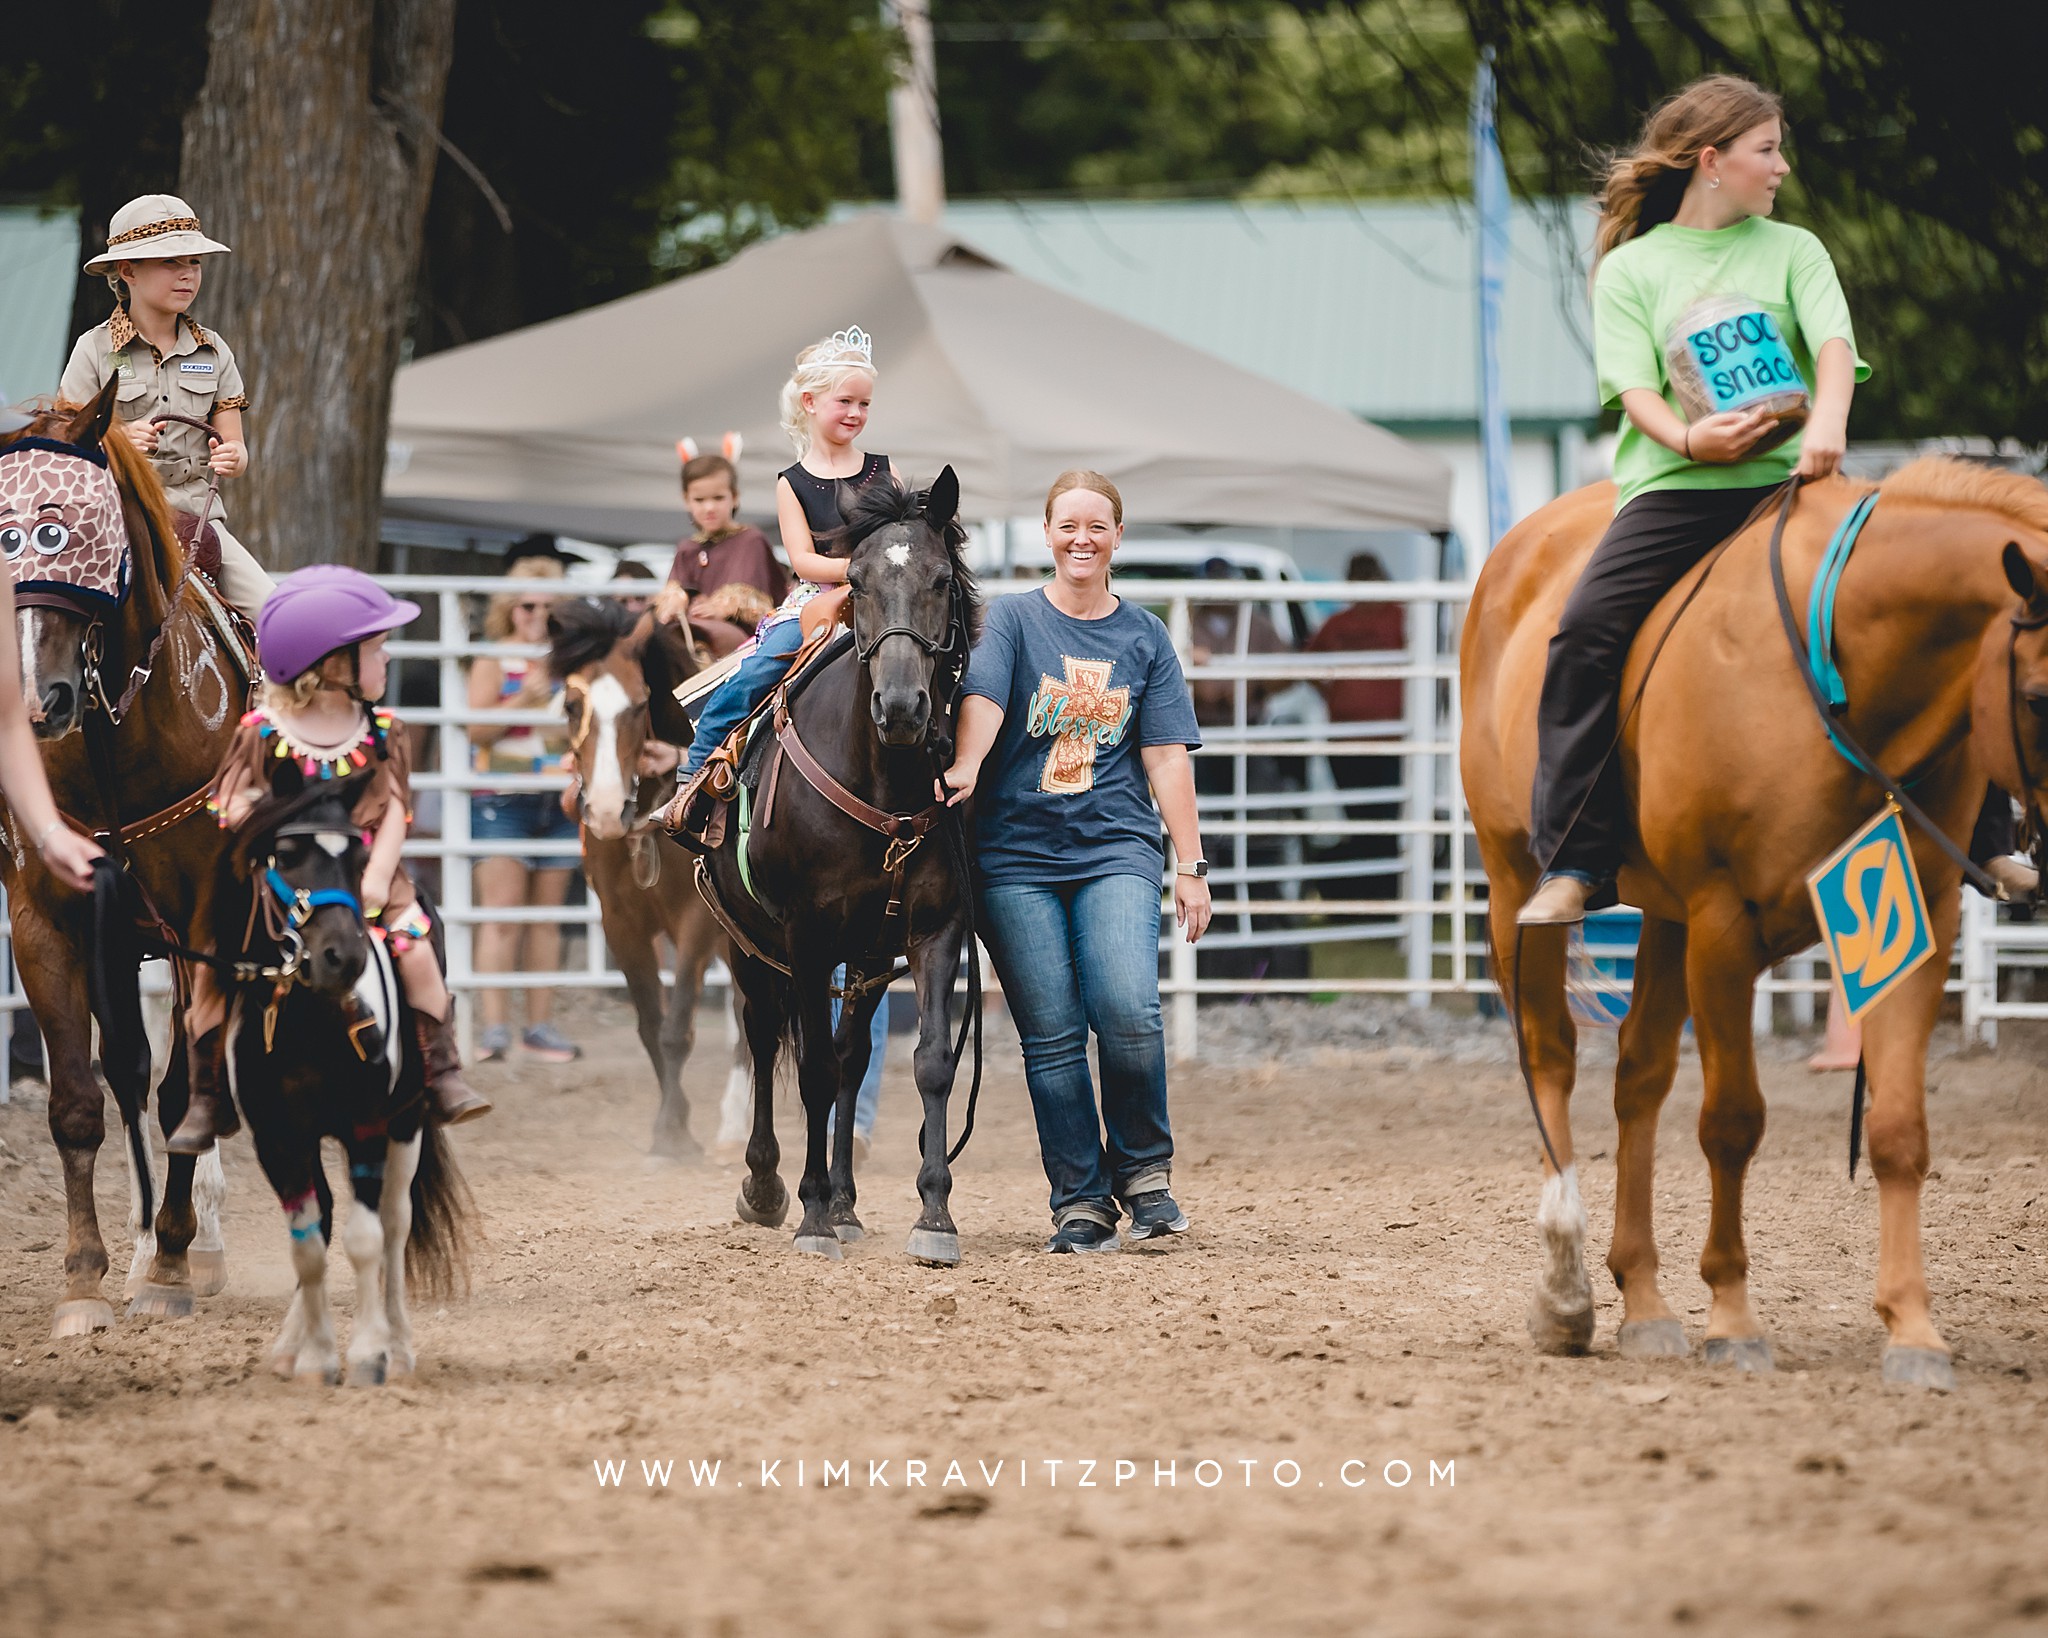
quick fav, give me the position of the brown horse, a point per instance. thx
(135, 698)
(1737, 795)
(641, 878)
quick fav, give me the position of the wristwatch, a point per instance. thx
(1192, 867)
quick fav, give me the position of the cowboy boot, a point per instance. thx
(455, 1100)
(685, 817)
(211, 1112)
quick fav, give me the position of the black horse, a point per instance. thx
(849, 859)
(319, 1046)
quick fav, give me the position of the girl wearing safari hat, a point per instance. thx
(167, 364)
(321, 642)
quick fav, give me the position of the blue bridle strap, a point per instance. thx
(1820, 609)
(302, 904)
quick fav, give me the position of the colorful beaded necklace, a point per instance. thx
(319, 763)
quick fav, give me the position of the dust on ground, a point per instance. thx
(1362, 1185)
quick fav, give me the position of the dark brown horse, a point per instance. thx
(1942, 632)
(135, 698)
(641, 877)
(847, 859)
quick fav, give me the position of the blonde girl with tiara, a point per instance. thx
(321, 639)
(824, 411)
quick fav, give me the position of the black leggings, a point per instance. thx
(1580, 809)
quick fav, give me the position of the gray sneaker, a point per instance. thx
(1154, 1215)
(1085, 1235)
(494, 1043)
(550, 1045)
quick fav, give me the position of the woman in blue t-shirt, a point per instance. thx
(1075, 702)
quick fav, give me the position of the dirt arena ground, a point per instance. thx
(1350, 1300)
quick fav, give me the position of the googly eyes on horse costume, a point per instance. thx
(61, 526)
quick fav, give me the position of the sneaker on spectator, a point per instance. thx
(1154, 1215)
(550, 1045)
(1084, 1234)
(494, 1044)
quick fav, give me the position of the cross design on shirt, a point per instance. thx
(1078, 715)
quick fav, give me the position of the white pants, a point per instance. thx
(243, 581)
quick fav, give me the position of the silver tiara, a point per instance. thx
(853, 339)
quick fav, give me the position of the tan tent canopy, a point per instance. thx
(572, 425)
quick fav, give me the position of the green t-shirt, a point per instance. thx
(1642, 289)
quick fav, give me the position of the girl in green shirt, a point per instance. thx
(1724, 339)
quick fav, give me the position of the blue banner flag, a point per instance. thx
(1490, 199)
(1871, 912)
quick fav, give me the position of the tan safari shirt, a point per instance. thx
(198, 377)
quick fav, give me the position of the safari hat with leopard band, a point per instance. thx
(153, 228)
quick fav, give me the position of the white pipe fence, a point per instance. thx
(1296, 886)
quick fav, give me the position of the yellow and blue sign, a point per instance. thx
(1872, 914)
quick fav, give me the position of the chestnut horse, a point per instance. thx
(135, 700)
(641, 878)
(1737, 795)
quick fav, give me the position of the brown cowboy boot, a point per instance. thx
(211, 1112)
(455, 1100)
(687, 815)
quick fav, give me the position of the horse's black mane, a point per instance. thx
(583, 630)
(273, 812)
(885, 501)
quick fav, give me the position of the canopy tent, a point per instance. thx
(571, 425)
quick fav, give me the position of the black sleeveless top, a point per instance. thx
(820, 496)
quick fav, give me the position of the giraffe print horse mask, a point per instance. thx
(61, 524)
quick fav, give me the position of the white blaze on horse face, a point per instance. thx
(31, 679)
(604, 781)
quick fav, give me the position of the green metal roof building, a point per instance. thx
(38, 273)
(1370, 307)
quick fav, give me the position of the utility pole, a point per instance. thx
(914, 117)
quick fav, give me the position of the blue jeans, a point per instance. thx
(1075, 956)
(870, 1093)
(728, 705)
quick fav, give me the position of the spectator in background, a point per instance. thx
(627, 569)
(1364, 628)
(1213, 631)
(1380, 630)
(725, 578)
(513, 880)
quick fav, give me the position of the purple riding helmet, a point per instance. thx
(315, 611)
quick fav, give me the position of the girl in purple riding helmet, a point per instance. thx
(321, 640)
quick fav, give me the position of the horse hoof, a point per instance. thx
(934, 1246)
(153, 1301)
(1653, 1339)
(1554, 1333)
(80, 1317)
(366, 1373)
(819, 1245)
(766, 1219)
(1751, 1354)
(1920, 1368)
(398, 1368)
(678, 1146)
(209, 1271)
(318, 1375)
(849, 1231)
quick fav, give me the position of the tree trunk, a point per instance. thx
(310, 151)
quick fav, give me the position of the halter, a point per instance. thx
(2031, 828)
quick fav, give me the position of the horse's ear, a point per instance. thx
(665, 664)
(2024, 578)
(942, 500)
(89, 425)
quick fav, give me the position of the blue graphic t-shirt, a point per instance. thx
(1063, 795)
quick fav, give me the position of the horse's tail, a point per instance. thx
(443, 1212)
